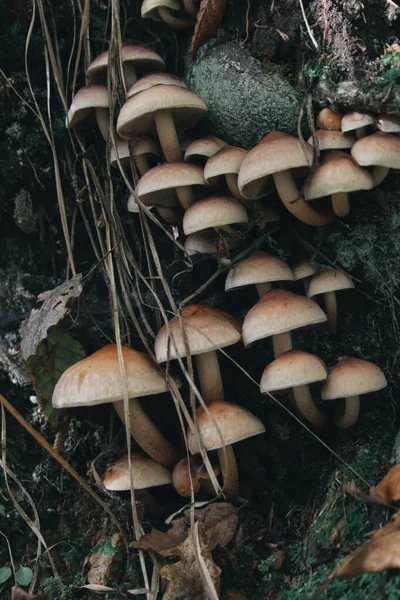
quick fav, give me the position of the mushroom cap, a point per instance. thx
(152, 79)
(138, 146)
(258, 267)
(230, 422)
(329, 119)
(291, 369)
(379, 149)
(355, 120)
(149, 9)
(327, 280)
(158, 185)
(206, 329)
(85, 100)
(137, 114)
(146, 473)
(352, 377)
(338, 172)
(140, 56)
(215, 211)
(203, 242)
(227, 160)
(388, 123)
(279, 311)
(276, 152)
(333, 140)
(183, 478)
(303, 269)
(203, 148)
(97, 378)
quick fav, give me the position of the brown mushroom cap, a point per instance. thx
(146, 473)
(333, 140)
(84, 101)
(329, 119)
(156, 187)
(138, 146)
(140, 56)
(206, 329)
(137, 114)
(97, 378)
(352, 377)
(379, 149)
(303, 269)
(327, 280)
(203, 148)
(203, 242)
(215, 211)
(228, 160)
(152, 79)
(389, 123)
(230, 422)
(355, 120)
(279, 311)
(258, 267)
(292, 369)
(337, 172)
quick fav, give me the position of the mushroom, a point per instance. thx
(167, 213)
(202, 242)
(276, 155)
(380, 151)
(152, 79)
(304, 270)
(357, 122)
(329, 119)
(146, 473)
(168, 11)
(86, 100)
(296, 370)
(132, 57)
(139, 148)
(276, 314)
(388, 123)
(169, 180)
(215, 211)
(199, 151)
(332, 140)
(350, 378)
(226, 163)
(259, 269)
(191, 474)
(167, 108)
(97, 380)
(336, 176)
(327, 282)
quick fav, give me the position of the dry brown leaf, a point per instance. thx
(373, 497)
(208, 20)
(389, 488)
(186, 577)
(18, 594)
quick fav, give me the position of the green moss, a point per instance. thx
(105, 547)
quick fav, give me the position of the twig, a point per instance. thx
(310, 33)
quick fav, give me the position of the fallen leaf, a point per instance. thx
(371, 498)
(208, 20)
(18, 594)
(104, 560)
(34, 329)
(191, 576)
(389, 488)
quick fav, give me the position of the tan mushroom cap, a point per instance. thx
(206, 329)
(337, 172)
(203, 242)
(152, 79)
(389, 123)
(329, 119)
(215, 211)
(291, 369)
(137, 114)
(327, 280)
(228, 160)
(138, 146)
(355, 120)
(258, 267)
(379, 149)
(352, 377)
(140, 56)
(84, 101)
(203, 148)
(333, 140)
(97, 379)
(157, 185)
(303, 269)
(146, 473)
(279, 311)
(149, 9)
(276, 152)
(230, 422)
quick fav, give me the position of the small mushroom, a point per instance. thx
(329, 119)
(191, 474)
(146, 473)
(140, 148)
(259, 269)
(388, 123)
(202, 242)
(349, 379)
(199, 151)
(168, 11)
(328, 282)
(216, 211)
(357, 122)
(226, 163)
(296, 370)
(332, 140)
(380, 151)
(167, 213)
(92, 98)
(152, 79)
(304, 270)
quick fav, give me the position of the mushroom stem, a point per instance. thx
(331, 310)
(379, 174)
(167, 135)
(169, 215)
(350, 415)
(227, 461)
(306, 406)
(340, 204)
(290, 196)
(147, 435)
(262, 288)
(282, 342)
(185, 195)
(360, 132)
(174, 22)
(130, 75)
(231, 182)
(142, 164)
(212, 387)
(190, 7)
(103, 120)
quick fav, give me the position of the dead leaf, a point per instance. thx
(34, 329)
(371, 498)
(188, 577)
(208, 20)
(18, 594)
(389, 488)
(105, 559)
